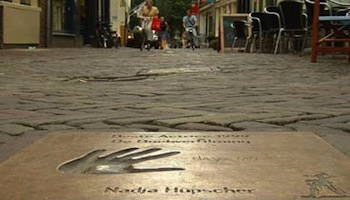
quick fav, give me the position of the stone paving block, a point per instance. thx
(332, 119)
(139, 94)
(301, 108)
(50, 101)
(293, 119)
(143, 119)
(256, 108)
(118, 113)
(258, 126)
(100, 125)
(34, 106)
(342, 126)
(14, 129)
(78, 106)
(56, 119)
(17, 113)
(5, 100)
(57, 111)
(182, 120)
(152, 128)
(126, 121)
(188, 69)
(54, 127)
(9, 145)
(81, 122)
(337, 138)
(180, 111)
(222, 119)
(175, 104)
(202, 127)
(128, 130)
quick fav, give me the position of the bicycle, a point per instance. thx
(190, 38)
(144, 40)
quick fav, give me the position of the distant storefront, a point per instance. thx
(74, 22)
(65, 24)
(209, 15)
(19, 23)
(58, 23)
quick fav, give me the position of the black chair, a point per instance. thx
(264, 27)
(294, 23)
(339, 8)
(343, 12)
(276, 11)
(325, 9)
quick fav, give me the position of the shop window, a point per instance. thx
(211, 25)
(63, 15)
(57, 15)
(25, 2)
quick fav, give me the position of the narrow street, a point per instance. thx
(175, 90)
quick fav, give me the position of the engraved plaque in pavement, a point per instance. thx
(188, 165)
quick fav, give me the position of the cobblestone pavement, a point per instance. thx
(87, 89)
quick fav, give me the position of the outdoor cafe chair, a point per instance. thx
(294, 23)
(325, 9)
(276, 11)
(343, 12)
(339, 8)
(264, 26)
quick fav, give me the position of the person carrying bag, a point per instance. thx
(156, 24)
(147, 14)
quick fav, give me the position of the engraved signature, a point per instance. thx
(118, 162)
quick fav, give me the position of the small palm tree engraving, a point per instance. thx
(321, 186)
(118, 162)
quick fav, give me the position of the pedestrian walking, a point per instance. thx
(162, 34)
(190, 24)
(148, 12)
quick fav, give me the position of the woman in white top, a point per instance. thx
(147, 13)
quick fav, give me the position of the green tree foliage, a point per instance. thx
(173, 12)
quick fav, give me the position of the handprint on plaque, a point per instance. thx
(118, 162)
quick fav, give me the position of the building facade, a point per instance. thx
(63, 23)
(19, 23)
(58, 23)
(209, 13)
(110, 11)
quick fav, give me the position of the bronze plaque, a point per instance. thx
(189, 165)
